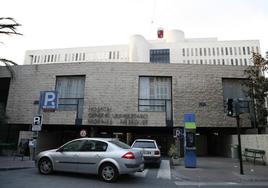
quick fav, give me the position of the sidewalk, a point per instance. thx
(213, 169)
(7, 163)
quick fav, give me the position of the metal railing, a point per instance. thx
(157, 105)
(72, 104)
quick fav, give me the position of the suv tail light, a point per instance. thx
(129, 155)
(157, 152)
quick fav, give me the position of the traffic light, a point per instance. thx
(230, 109)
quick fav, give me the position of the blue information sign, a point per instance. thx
(49, 100)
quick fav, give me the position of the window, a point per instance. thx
(155, 95)
(73, 57)
(73, 146)
(226, 50)
(110, 55)
(201, 62)
(245, 61)
(239, 49)
(218, 51)
(231, 51)
(222, 51)
(244, 50)
(213, 51)
(192, 52)
(144, 144)
(196, 51)
(233, 89)
(94, 145)
(232, 62)
(248, 49)
(160, 56)
(214, 61)
(235, 52)
(183, 52)
(71, 93)
(120, 144)
(205, 52)
(84, 56)
(223, 62)
(209, 52)
(236, 62)
(241, 61)
(200, 50)
(187, 50)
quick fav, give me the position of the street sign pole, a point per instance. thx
(239, 144)
(237, 112)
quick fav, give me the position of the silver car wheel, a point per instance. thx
(45, 166)
(109, 173)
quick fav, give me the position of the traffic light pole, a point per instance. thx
(239, 144)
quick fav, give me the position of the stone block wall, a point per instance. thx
(116, 86)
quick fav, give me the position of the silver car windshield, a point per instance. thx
(144, 144)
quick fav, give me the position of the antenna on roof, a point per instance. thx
(154, 8)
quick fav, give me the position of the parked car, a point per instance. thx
(107, 158)
(150, 150)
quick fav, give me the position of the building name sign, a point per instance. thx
(105, 116)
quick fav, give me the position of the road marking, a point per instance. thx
(142, 174)
(164, 170)
(179, 183)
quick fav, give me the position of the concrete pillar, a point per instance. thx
(129, 138)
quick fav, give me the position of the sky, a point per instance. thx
(48, 24)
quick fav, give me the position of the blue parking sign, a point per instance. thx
(49, 100)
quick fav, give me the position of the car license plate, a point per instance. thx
(147, 152)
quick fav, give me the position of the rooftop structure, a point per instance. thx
(172, 48)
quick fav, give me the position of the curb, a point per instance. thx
(14, 168)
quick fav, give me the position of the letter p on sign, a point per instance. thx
(49, 99)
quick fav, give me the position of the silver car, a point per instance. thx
(107, 158)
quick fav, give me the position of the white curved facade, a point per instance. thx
(179, 50)
(138, 49)
(175, 36)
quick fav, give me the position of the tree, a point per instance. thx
(258, 84)
(8, 26)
